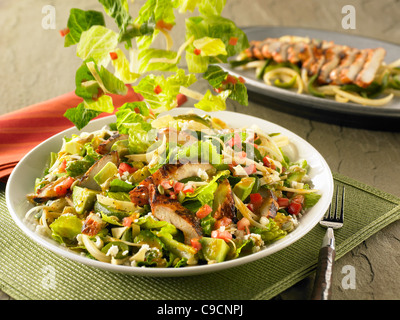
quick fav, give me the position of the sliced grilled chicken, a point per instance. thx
(176, 172)
(349, 57)
(334, 64)
(48, 192)
(368, 72)
(106, 146)
(333, 56)
(349, 74)
(224, 204)
(92, 224)
(87, 181)
(166, 209)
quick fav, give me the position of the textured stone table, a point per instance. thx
(35, 67)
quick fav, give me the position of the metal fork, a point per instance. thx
(333, 219)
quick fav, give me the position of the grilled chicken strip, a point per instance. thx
(224, 204)
(87, 181)
(334, 64)
(106, 146)
(166, 209)
(48, 192)
(176, 172)
(368, 72)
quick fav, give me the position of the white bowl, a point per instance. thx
(21, 182)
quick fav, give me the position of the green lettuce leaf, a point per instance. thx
(311, 199)
(80, 116)
(96, 43)
(102, 104)
(216, 27)
(157, 10)
(166, 99)
(122, 68)
(119, 11)
(146, 55)
(211, 102)
(65, 228)
(206, 7)
(210, 46)
(271, 233)
(80, 21)
(127, 115)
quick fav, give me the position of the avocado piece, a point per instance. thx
(178, 248)
(244, 187)
(72, 147)
(139, 175)
(214, 249)
(109, 170)
(108, 211)
(296, 176)
(194, 117)
(121, 147)
(83, 199)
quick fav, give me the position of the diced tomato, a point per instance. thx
(62, 188)
(224, 235)
(218, 90)
(196, 51)
(204, 211)
(243, 223)
(298, 199)
(64, 32)
(62, 166)
(161, 24)
(241, 80)
(233, 41)
(181, 99)
(283, 202)
(250, 206)
(123, 167)
(294, 208)
(157, 89)
(178, 187)
(230, 79)
(235, 141)
(113, 55)
(223, 222)
(256, 200)
(127, 221)
(195, 244)
(250, 169)
(166, 184)
(268, 163)
(188, 189)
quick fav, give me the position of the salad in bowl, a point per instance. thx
(170, 191)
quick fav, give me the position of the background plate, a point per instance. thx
(322, 109)
(22, 179)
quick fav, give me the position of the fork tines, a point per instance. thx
(334, 217)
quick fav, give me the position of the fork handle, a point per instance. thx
(323, 279)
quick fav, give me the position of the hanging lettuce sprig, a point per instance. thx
(210, 39)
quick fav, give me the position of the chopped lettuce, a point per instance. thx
(212, 102)
(96, 43)
(80, 116)
(80, 21)
(122, 68)
(218, 79)
(310, 199)
(102, 104)
(157, 10)
(119, 11)
(146, 55)
(160, 92)
(65, 228)
(210, 46)
(271, 233)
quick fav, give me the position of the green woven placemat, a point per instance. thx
(29, 271)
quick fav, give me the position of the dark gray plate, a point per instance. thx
(322, 109)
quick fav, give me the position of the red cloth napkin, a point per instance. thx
(22, 130)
